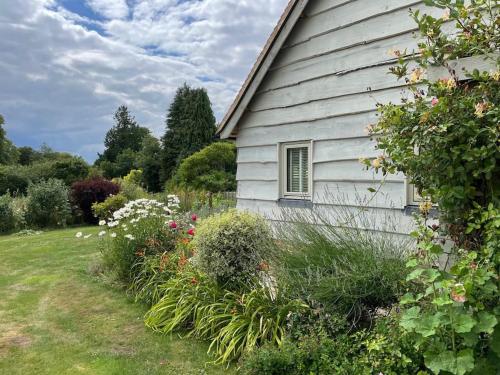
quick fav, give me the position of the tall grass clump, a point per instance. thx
(352, 270)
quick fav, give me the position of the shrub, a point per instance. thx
(47, 204)
(141, 228)
(451, 312)
(212, 169)
(381, 351)
(86, 192)
(234, 322)
(7, 220)
(130, 190)
(104, 210)
(13, 179)
(232, 245)
(69, 170)
(351, 271)
(19, 207)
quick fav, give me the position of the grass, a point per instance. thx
(56, 318)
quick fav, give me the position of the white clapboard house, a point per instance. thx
(300, 119)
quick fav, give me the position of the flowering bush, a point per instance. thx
(446, 141)
(142, 228)
(48, 204)
(232, 246)
(87, 192)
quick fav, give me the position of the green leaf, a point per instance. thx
(409, 318)
(486, 323)
(442, 300)
(455, 363)
(411, 263)
(463, 323)
(414, 274)
(407, 298)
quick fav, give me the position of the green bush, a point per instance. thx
(129, 189)
(351, 271)
(48, 204)
(104, 210)
(7, 219)
(19, 206)
(232, 246)
(13, 179)
(234, 322)
(211, 169)
(381, 351)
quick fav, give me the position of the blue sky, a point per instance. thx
(66, 65)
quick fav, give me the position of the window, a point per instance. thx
(296, 170)
(413, 198)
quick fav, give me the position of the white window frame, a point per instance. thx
(283, 148)
(412, 196)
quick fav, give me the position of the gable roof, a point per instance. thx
(292, 13)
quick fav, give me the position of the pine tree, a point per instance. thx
(190, 127)
(125, 135)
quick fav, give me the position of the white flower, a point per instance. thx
(87, 236)
(102, 222)
(79, 234)
(112, 224)
(130, 237)
(102, 233)
(113, 235)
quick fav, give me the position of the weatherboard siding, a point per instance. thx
(324, 86)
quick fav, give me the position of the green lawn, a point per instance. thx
(56, 318)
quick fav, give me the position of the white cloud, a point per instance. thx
(110, 8)
(62, 81)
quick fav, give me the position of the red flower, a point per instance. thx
(194, 217)
(194, 281)
(190, 231)
(434, 101)
(172, 225)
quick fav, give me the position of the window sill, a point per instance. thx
(409, 210)
(295, 202)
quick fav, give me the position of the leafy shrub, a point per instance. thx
(141, 228)
(13, 179)
(350, 271)
(133, 177)
(234, 322)
(381, 351)
(86, 192)
(7, 220)
(19, 207)
(212, 169)
(104, 210)
(47, 204)
(451, 312)
(69, 170)
(130, 190)
(232, 245)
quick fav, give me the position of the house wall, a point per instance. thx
(324, 86)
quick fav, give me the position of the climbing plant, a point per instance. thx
(444, 135)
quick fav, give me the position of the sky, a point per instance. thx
(66, 65)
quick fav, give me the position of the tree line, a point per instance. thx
(190, 126)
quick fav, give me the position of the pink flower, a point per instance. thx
(434, 101)
(190, 231)
(194, 217)
(172, 225)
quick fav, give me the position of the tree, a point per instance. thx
(8, 152)
(212, 169)
(126, 134)
(190, 127)
(149, 162)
